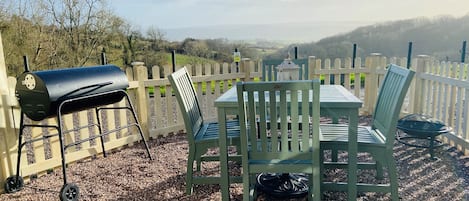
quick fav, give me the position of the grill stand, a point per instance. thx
(429, 137)
(420, 130)
(70, 191)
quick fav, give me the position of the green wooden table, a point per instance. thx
(336, 101)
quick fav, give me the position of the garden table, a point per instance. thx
(335, 102)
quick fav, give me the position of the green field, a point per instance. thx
(182, 60)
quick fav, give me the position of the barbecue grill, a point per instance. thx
(53, 93)
(40, 93)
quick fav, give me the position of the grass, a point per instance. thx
(151, 90)
(182, 60)
(352, 78)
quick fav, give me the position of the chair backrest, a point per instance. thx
(389, 102)
(188, 102)
(286, 102)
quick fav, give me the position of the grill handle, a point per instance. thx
(93, 85)
(90, 87)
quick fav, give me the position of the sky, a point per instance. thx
(188, 13)
(171, 14)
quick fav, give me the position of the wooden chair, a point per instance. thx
(378, 140)
(285, 148)
(201, 135)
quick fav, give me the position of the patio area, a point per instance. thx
(127, 174)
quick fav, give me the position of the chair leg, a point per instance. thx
(393, 178)
(198, 158)
(335, 155)
(379, 163)
(199, 163)
(190, 171)
(314, 191)
(321, 170)
(311, 187)
(252, 182)
(379, 170)
(237, 158)
(246, 186)
(251, 194)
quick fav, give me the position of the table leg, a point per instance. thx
(352, 155)
(224, 175)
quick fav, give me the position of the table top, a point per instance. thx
(331, 96)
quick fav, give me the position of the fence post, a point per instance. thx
(8, 137)
(129, 72)
(142, 95)
(357, 82)
(417, 105)
(3, 125)
(246, 68)
(3, 71)
(313, 68)
(371, 81)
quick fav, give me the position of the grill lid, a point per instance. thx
(41, 92)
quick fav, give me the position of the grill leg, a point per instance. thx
(431, 147)
(61, 141)
(138, 125)
(100, 132)
(20, 146)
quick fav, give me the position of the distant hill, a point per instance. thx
(281, 32)
(440, 37)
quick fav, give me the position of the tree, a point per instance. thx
(24, 33)
(195, 47)
(157, 38)
(58, 33)
(82, 26)
(130, 43)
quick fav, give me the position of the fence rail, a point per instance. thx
(439, 89)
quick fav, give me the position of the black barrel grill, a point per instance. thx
(53, 93)
(41, 93)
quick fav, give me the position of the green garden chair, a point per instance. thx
(201, 135)
(378, 140)
(286, 147)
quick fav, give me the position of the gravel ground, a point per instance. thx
(127, 174)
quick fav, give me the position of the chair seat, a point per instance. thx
(338, 133)
(210, 131)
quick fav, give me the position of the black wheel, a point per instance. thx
(69, 192)
(12, 185)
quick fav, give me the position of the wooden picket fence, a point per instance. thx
(439, 89)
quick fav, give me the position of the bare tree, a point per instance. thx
(157, 38)
(83, 26)
(129, 43)
(25, 32)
